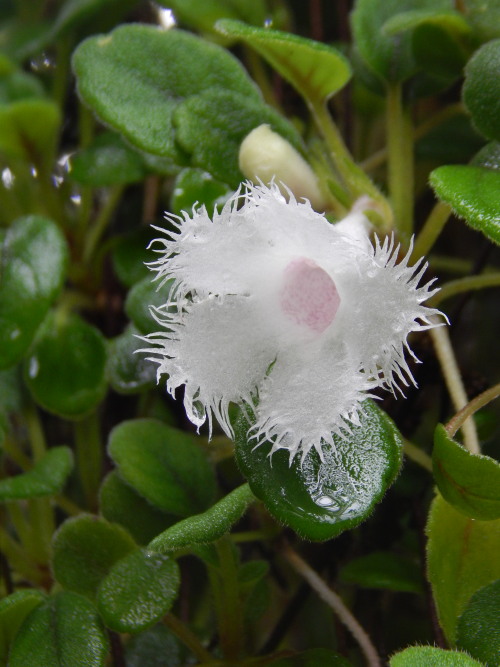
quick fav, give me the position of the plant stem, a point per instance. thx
(355, 179)
(467, 284)
(89, 457)
(432, 228)
(187, 637)
(102, 221)
(473, 406)
(400, 167)
(417, 455)
(453, 379)
(36, 434)
(334, 601)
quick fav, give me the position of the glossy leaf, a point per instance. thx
(143, 295)
(119, 503)
(107, 161)
(64, 630)
(388, 56)
(473, 193)
(46, 478)
(13, 610)
(316, 70)
(164, 465)
(385, 570)
(478, 629)
(33, 261)
(85, 548)
(320, 500)
(29, 129)
(202, 16)
(459, 560)
(74, 352)
(128, 372)
(469, 482)
(197, 187)
(138, 591)
(430, 656)
(488, 157)
(481, 90)
(211, 126)
(138, 94)
(130, 254)
(206, 527)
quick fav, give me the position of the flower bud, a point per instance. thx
(265, 155)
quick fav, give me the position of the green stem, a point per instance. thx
(187, 637)
(473, 406)
(400, 168)
(468, 284)
(355, 179)
(89, 457)
(18, 558)
(453, 379)
(417, 455)
(43, 525)
(99, 227)
(259, 74)
(224, 580)
(35, 430)
(61, 77)
(432, 228)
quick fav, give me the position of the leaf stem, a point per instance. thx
(400, 166)
(453, 379)
(99, 227)
(467, 284)
(432, 228)
(473, 406)
(187, 637)
(334, 601)
(417, 455)
(89, 457)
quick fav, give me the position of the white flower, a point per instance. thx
(274, 306)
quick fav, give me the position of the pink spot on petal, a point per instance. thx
(309, 296)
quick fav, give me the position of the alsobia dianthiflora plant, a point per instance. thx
(235, 292)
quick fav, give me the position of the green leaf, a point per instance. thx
(107, 161)
(130, 254)
(64, 630)
(46, 478)
(211, 126)
(128, 372)
(203, 15)
(195, 186)
(488, 157)
(29, 130)
(460, 560)
(85, 548)
(484, 17)
(124, 77)
(469, 482)
(481, 90)
(138, 591)
(206, 527)
(478, 630)
(316, 70)
(18, 85)
(33, 259)
(156, 647)
(142, 296)
(89, 13)
(320, 500)
(383, 569)
(13, 610)
(74, 352)
(119, 503)
(164, 465)
(430, 656)
(473, 193)
(389, 56)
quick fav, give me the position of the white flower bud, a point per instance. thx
(265, 156)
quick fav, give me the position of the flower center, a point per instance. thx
(309, 296)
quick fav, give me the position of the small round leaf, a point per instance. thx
(478, 628)
(46, 478)
(481, 91)
(430, 656)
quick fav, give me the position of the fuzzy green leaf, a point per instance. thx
(383, 569)
(33, 259)
(469, 482)
(138, 591)
(46, 478)
(13, 610)
(320, 500)
(316, 70)
(164, 465)
(473, 193)
(145, 294)
(84, 550)
(478, 629)
(195, 186)
(461, 558)
(203, 15)
(128, 372)
(430, 656)
(481, 90)
(29, 130)
(64, 630)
